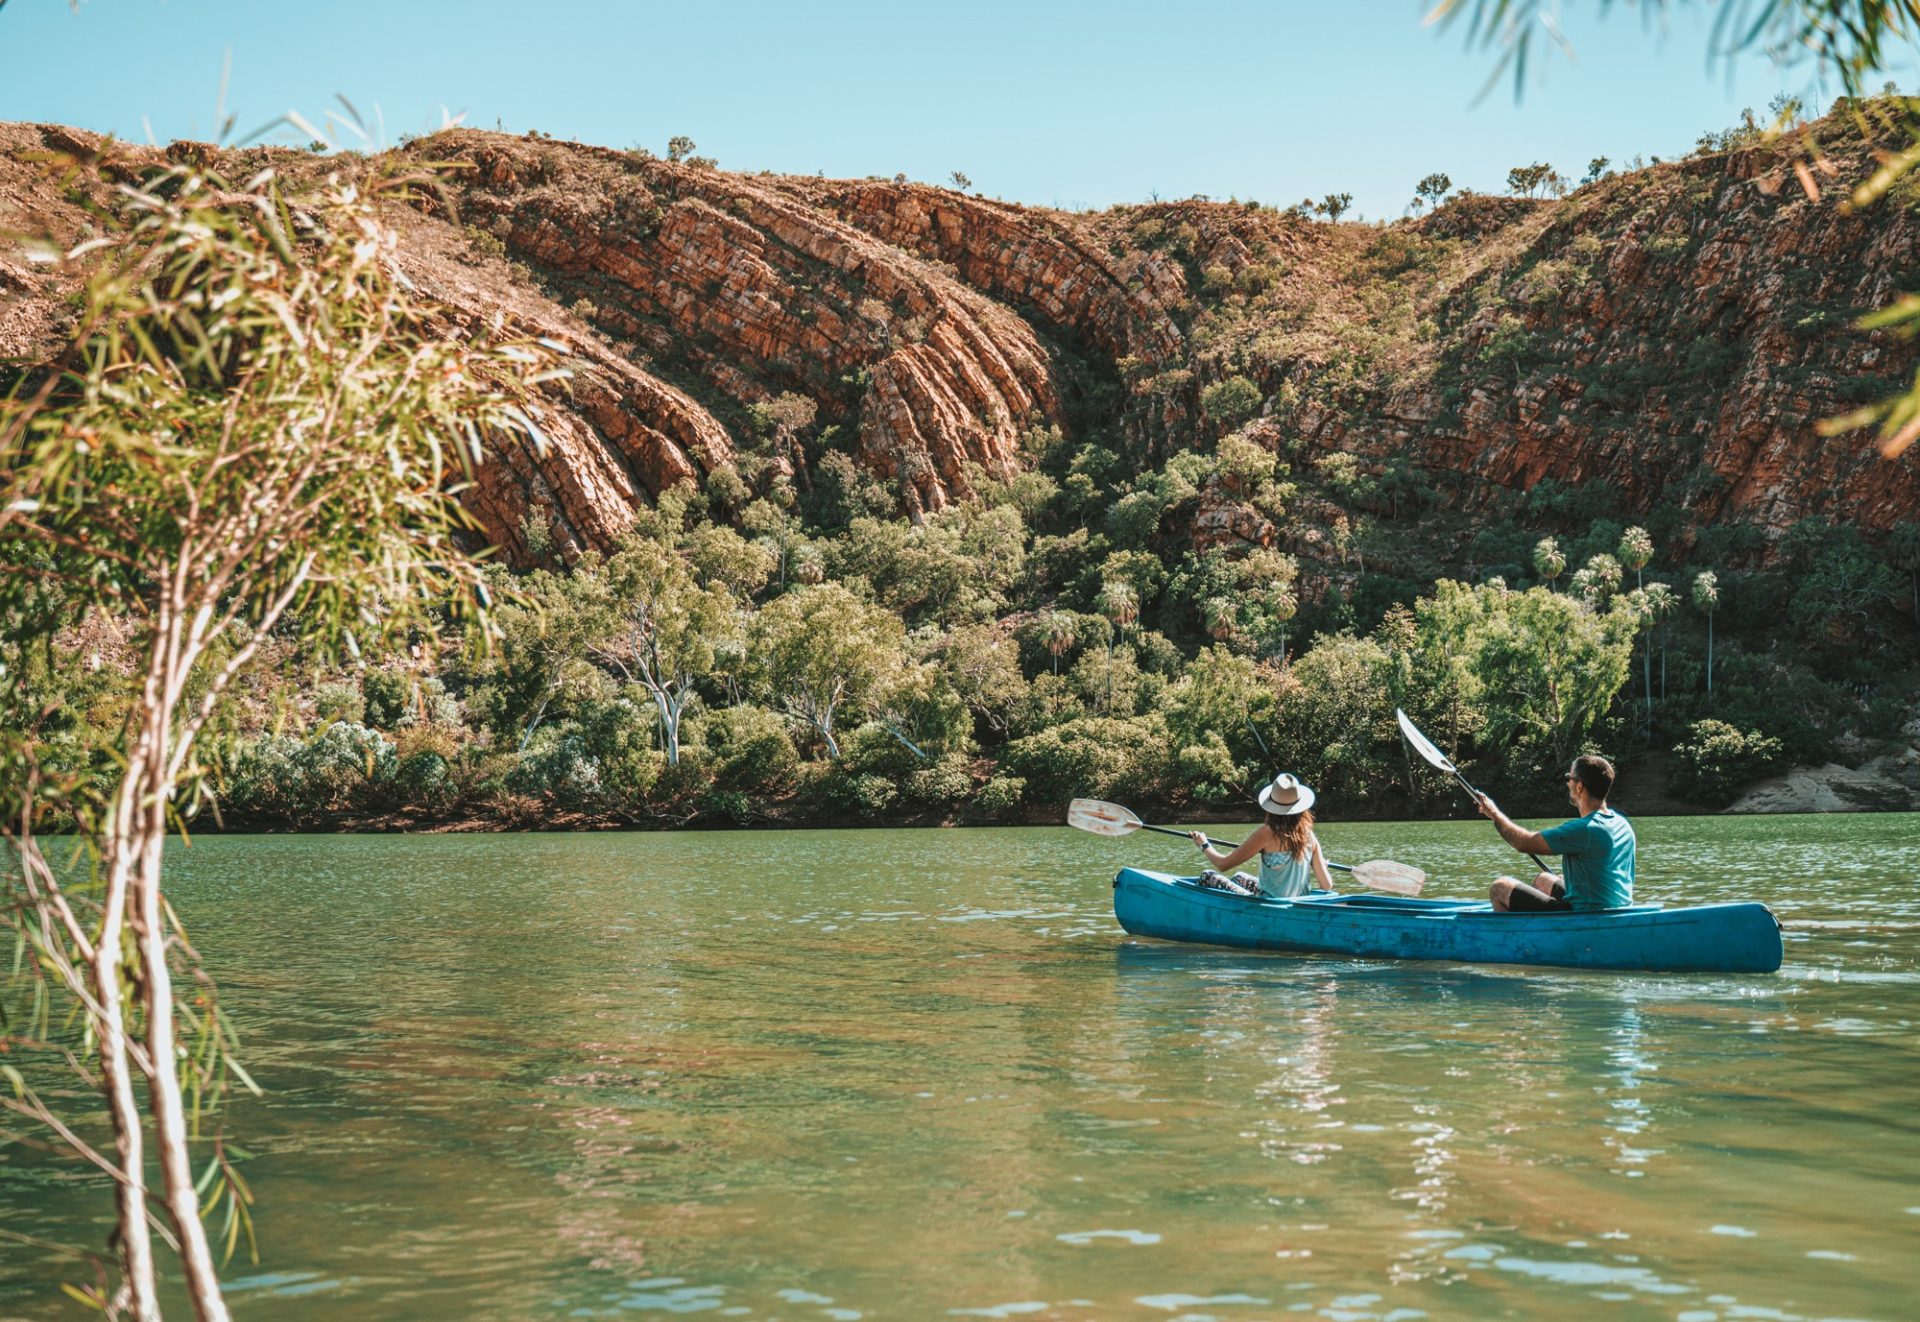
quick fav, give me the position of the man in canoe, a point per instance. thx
(1598, 846)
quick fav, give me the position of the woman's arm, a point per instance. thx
(1320, 873)
(1248, 848)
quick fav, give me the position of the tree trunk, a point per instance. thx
(1646, 673)
(1709, 654)
(163, 1088)
(116, 1080)
(169, 1112)
(669, 723)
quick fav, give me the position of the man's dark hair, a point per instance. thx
(1594, 773)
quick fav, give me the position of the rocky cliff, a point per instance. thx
(1675, 334)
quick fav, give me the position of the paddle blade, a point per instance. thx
(1101, 818)
(1385, 875)
(1421, 744)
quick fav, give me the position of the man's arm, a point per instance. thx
(1527, 842)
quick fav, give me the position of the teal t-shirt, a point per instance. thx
(1598, 850)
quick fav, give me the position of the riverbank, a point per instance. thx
(1885, 784)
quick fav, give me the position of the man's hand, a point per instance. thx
(1488, 808)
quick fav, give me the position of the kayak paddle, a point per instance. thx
(1440, 761)
(1110, 819)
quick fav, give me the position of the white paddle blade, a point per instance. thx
(1421, 744)
(1101, 818)
(1385, 875)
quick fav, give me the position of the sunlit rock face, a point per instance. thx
(1676, 334)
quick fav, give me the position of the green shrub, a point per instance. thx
(347, 766)
(1230, 402)
(1206, 770)
(264, 780)
(728, 805)
(1717, 760)
(555, 765)
(390, 698)
(338, 700)
(750, 749)
(862, 793)
(999, 795)
(946, 780)
(1105, 757)
(425, 780)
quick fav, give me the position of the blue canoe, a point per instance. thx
(1707, 938)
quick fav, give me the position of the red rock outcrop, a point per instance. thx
(1677, 333)
(755, 293)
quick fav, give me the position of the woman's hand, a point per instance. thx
(1200, 840)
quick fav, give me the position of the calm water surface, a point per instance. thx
(840, 1075)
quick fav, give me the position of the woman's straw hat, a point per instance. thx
(1286, 797)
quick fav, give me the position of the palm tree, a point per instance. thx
(1283, 603)
(1706, 596)
(1221, 617)
(1660, 604)
(1549, 559)
(1121, 605)
(1603, 578)
(1636, 548)
(1058, 636)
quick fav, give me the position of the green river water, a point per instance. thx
(920, 1074)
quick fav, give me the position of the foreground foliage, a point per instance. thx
(255, 442)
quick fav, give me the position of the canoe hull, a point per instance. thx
(1708, 938)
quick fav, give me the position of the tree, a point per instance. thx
(822, 652)
(1603, 579)
(679, 147)
(1057, 633)
(1528, 180)
(1665, 602)
(1221, 617)
(1335, 205)
(1597, 170)
(1121, 605)
(1636, 549)
(1539, 668)
(1549, 559)
(1282, 603)
(982, 664)
(1706, 598)
(960, 181)
(258, 430)
(653, 625)
(1430, 190)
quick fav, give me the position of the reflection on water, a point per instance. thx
(839, 1075)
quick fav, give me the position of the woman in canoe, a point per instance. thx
(1290, 856)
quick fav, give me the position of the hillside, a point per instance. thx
(1267, 429)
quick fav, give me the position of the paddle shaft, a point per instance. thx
(1433, 757)
(1468, 787)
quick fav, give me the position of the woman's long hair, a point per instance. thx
(1293, 831)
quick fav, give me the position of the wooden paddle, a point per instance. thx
(1439, 760)
(1110, 819)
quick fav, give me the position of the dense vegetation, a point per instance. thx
(1058, 636)
(1178, 594)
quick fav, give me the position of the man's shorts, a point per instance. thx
(1527, 899)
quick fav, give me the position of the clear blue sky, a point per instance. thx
(1068, 104)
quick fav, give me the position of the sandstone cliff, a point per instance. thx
(1674, 333)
